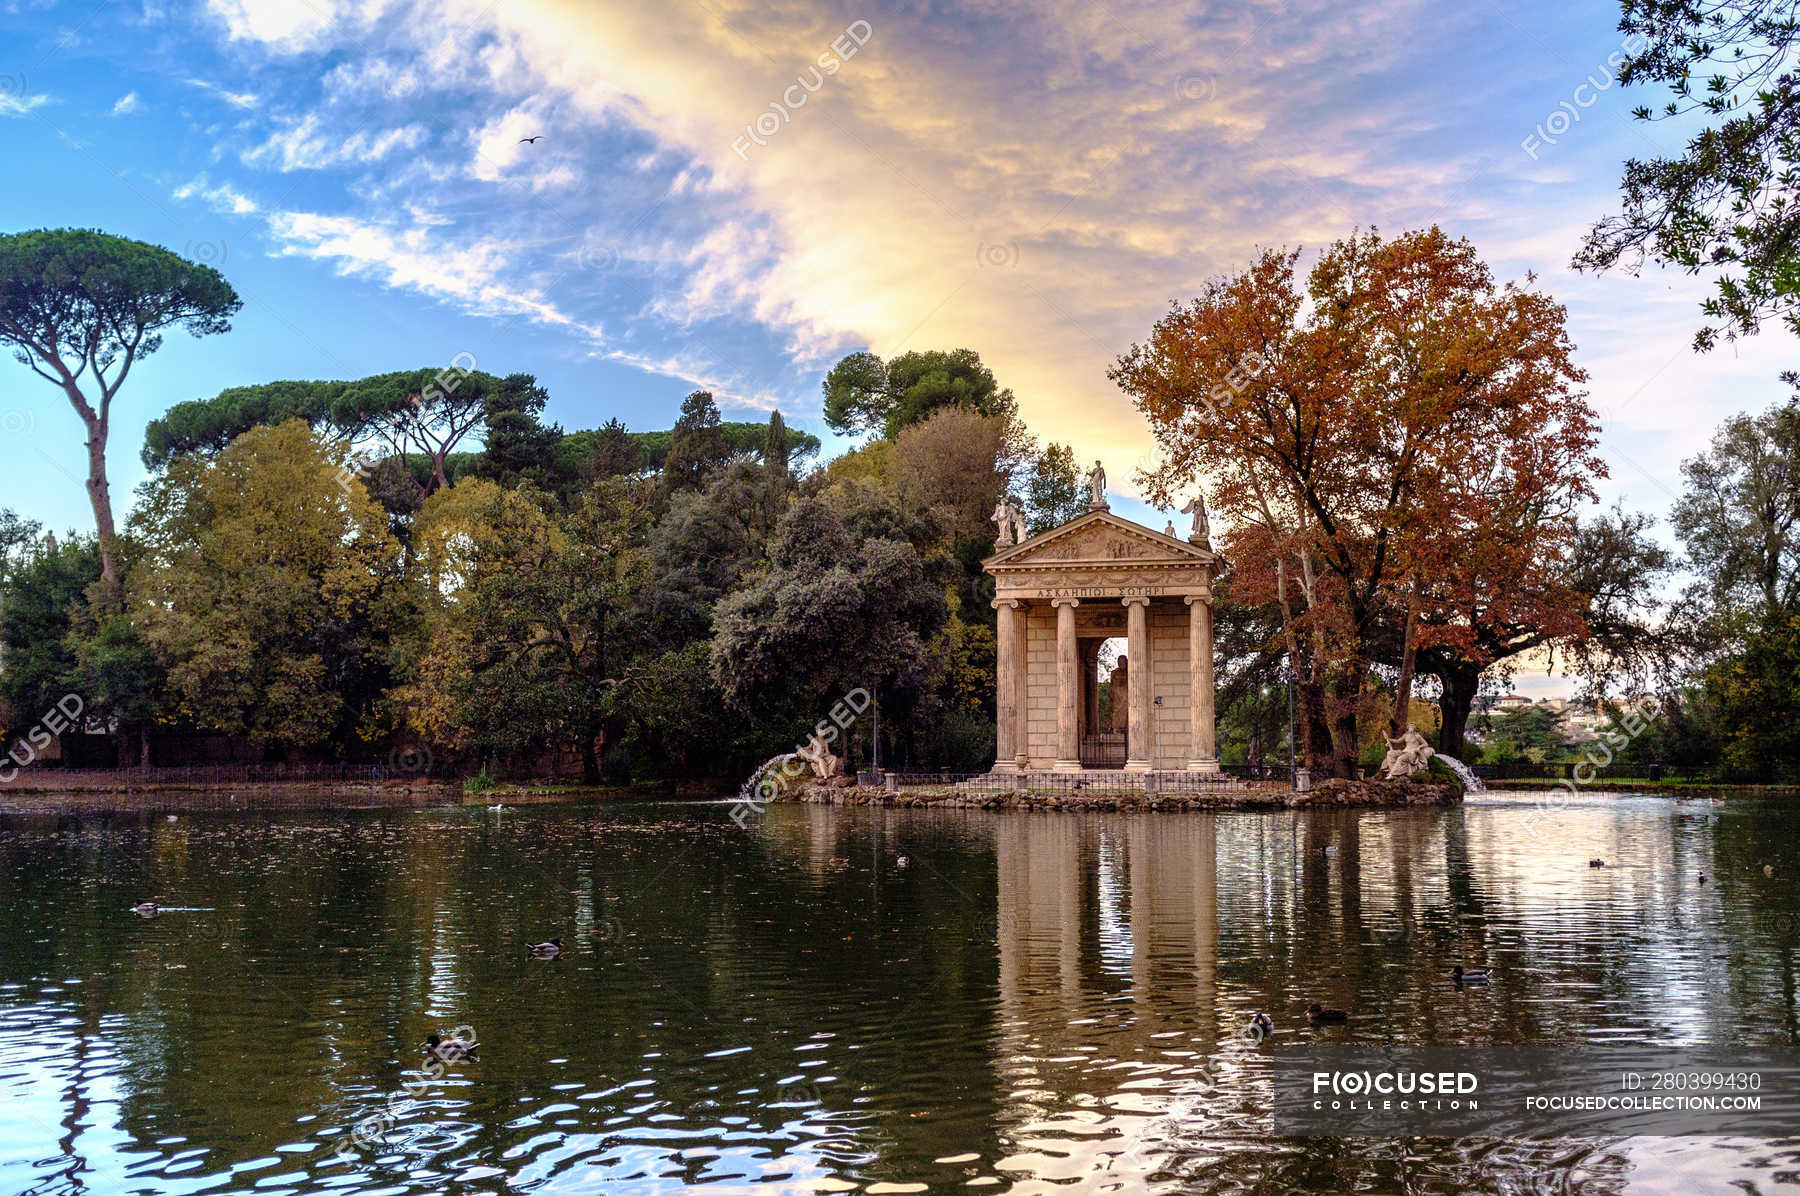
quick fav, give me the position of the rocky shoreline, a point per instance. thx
(1333, 793)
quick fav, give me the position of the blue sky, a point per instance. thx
(1035, 182)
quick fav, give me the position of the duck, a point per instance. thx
(901, 861)
(1462, 975)
(498, 807)
(1328, 849)
(546, 950)
(1768, 870)
(1596, 863)
(1702, 878)
(453, 1047)
(1318, 1013)
(145, 909)
(837, 861)
(1260, 1027)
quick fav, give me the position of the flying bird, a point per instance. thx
(530, 140)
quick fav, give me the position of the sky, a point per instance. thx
(733, 195)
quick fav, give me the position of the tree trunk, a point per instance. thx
(1344, 744)
(100, 495)
(590, 761)
(1397, 722)
(1461, 682)
(1315, 728)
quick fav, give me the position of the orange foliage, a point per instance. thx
(1402, 431)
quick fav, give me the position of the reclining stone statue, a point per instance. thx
(1406, 755)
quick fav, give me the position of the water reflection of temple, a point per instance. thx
(1114, 919)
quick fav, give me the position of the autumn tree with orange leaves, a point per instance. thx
(1399, 449)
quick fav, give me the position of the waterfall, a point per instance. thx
(749, 789)
(1471, 782)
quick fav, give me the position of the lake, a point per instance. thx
(836, 1000)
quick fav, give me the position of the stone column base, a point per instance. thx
(1066, 766)
(1137, 765)
(1204, 765)
(1006, 766)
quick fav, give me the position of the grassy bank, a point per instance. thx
(1669, 788)
(47, 791)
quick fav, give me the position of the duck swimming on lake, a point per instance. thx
(453, 1047)
(1318, 1013)
(144, 909)
(546, 950)
(1260, 1027)
(1596, 863)
(1462, 975)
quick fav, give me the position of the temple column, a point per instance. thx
(1022, 691)
(1203, 752)
(1068, 688)
(1138, 752)
(1006, 689)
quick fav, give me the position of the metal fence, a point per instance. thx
(1111, 783)
(1260, 772)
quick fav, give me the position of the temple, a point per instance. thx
(1060, 595)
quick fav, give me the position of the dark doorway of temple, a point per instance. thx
(1106, 681)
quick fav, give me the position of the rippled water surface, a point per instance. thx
(836, 1000)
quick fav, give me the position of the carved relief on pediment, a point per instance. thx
(1096, 544)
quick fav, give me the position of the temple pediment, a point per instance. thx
(1098, 554)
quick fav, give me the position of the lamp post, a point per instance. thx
(1156, 744)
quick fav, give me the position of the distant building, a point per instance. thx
(1512, 702)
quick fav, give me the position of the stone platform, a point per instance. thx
(1107, 780)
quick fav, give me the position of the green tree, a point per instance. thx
(206, 426)
(518, 445)
(1528, 733)
(1053, 490)
(609, 451)
(120, 678)
(265, 588)
(419, 416)
(1755, 696)
(80, 308)
(701, 548)
(779, 480)
(839, 607)
(865, 394)
(42, 593)
(537, 641)
(16, 537)
(1725, 203)
(1739, 516)
(697, 446)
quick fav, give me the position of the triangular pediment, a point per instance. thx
(1100, 538)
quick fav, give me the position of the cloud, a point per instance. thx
(1035, 182)
(237, 99)
(286, 25)
(305, 144)
(223, 198)
(127, 104)
(20, 104)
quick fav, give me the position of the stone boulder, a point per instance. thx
(1420, 790)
